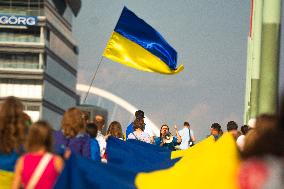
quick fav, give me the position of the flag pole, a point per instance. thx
(93, 79)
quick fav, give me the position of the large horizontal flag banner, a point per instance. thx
(136, 44)
(199, 167)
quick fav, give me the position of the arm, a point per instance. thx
(17, 177)
(192, 136)
(58, 163)
(177, 135)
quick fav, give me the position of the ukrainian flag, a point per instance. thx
(136, 44)
(208, 164)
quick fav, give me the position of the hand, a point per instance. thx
(175, 127)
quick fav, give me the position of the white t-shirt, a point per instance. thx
(102, 142)
(144, 137)
(184, 133)
(241, 142)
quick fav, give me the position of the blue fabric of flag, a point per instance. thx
(137, 30)
(80, 172)
(138, 156)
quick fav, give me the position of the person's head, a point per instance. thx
(115, 130)
(215, 129)
(92, 129)
(12, 125)
(245, 129)
(164, 130)
(100, 122)
(72, 122)
(138, 124)
(265, 139)
(39, 136)
(86, 115)
(139, 114)
(186, 124)
(232, 126)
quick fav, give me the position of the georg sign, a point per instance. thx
(18, 20)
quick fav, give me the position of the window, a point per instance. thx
(18, 7)
(19, 60)
(20, 35)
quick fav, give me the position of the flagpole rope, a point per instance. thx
(93, 80)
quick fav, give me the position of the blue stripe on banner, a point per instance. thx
(138, 31)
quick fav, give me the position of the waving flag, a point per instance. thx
(136, 44)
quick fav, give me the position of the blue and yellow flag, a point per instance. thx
(136, 44)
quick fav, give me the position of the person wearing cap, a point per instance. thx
(139, 114)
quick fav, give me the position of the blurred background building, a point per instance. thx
(39, 55)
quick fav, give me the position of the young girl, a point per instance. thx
(12, 135)
(38, 168)
(72, 134)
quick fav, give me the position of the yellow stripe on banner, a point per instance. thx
(211, 165)
(194, 149)
(125, 51)
(6, 179)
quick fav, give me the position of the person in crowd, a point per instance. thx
(139, 114)
(138, 133)
(38, 168)
(166, 139)
(92, 130)
(187, 136)
(72, 135)
(115, 130)
(241, 139)
(13, 132)
(216, 131)
(232, 127)
(263, 155)
(100, 122)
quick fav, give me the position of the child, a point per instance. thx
(72, 134)
(92, 130)
(38, 168)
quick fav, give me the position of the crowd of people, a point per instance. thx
(36, 153)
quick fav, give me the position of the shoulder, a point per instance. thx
(58, 163)
(20, 163)
(130, 135)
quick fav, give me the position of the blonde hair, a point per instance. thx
(40, 135)
(115, 129)
(72, 122)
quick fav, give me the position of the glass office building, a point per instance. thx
(39, 55)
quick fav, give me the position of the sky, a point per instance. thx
(211, 40)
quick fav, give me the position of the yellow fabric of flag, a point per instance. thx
(208, 165)
(199, 146)
(6, 179)
(124, 51)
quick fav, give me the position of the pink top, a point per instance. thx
(49, 176)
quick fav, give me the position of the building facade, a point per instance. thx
(39, 56)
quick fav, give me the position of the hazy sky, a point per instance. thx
(211, 40)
